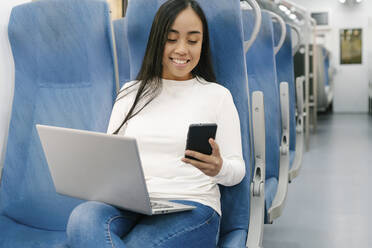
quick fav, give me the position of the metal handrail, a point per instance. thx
(298, 45)
(284, 31)
(258, 19)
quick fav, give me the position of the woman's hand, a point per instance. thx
(208, 164)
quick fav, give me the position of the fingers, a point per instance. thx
(198, 164)
(208, 164)
(215, 147)
(207, 168)
(203, 157)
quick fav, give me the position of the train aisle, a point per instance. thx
(330, 203)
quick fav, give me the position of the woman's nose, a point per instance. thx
(181, 47)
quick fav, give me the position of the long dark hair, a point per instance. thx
(150, 74)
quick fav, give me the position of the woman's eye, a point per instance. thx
(193, 41)
(171, 40)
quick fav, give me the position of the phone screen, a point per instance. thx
(198, 136)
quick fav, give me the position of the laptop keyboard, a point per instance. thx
(157, 205)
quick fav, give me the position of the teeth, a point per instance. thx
(178, 61)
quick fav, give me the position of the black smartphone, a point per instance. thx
(198, 136)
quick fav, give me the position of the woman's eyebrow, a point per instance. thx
(190, 32)
(194, 32)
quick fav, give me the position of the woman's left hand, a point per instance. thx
(208, 164)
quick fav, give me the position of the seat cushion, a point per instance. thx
(15, 235)
(234, 239)
(271, 186)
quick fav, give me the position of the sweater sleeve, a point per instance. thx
(228, 138)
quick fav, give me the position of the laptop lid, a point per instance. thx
(96, 166)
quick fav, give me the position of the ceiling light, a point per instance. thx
(342, 1)
(283, 8)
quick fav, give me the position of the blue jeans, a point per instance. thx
(95, 224)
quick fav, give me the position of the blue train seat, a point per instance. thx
(226, 38)
(122, 52)
(64, 76)
(324, 86)
(262, 75)
(285, 73)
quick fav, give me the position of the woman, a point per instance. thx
(174, 88)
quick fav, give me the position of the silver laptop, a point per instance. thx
(100, 167)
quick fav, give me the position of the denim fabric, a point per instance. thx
(285, 73)
(226, 40)
(95, 224)
(64, 77)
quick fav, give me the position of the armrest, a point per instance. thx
(284, 106)
(278, 203)
(300, 103)
(293, 173)
(257, 210)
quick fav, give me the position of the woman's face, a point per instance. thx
(183, 46)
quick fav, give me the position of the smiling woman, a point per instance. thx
(175, 87)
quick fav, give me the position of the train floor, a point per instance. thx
(330, 203)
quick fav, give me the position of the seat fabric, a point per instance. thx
(292, 155)
(122, 50)
(226, 38)
(271, 186)
(16, 235)
(64, 76)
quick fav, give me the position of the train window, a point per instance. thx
(321, 18)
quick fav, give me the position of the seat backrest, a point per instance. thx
(122, 50)
(64, 76)
(226, 38)
(261, 70)
(285, 73)
(326, 65)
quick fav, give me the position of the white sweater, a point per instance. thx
(161, 131)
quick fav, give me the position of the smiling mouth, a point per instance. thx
(180, 61)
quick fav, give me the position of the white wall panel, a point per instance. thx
(6, 72)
